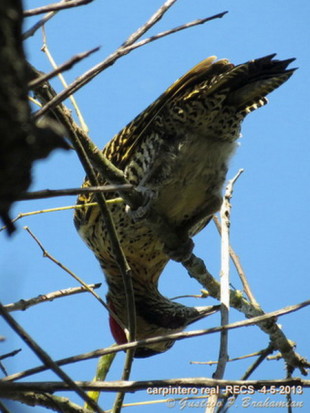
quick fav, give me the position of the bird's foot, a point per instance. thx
(182, 251)
(143, 211)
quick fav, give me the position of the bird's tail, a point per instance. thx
(249, 83)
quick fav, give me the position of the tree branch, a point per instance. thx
(72, 274)
(239, 268)
(175, 336)
(55, 403)
(25, 304)
(65, 66)
(262, 356)
(46, 359)
(56, 7)
(197, 269)
(50, 193)
(30, 32)
(133, 386)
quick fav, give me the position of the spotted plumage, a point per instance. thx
(178, 150)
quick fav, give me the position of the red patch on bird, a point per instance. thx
(117, 332)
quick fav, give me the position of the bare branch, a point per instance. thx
(150, 23)
(25, 304)
(246, 356)
(4, 356)
(67, 270)
(62, 79)
(176, 29)
(262, 356)
(11, 354)
(239, 268)
(49, 193)
(42, 211)
(30, 32)
(56, 7)
(197, 269)
(3, 408)
(133, 386)
(46, 359)
(65, 66)
(175, 336)
(55, 403)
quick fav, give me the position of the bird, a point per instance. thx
(177, 151)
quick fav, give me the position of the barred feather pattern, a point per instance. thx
(178, 149)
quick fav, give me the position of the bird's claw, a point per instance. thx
(142, 212)
(182, 252)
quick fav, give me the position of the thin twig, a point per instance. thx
(150, 23)
(3, 369)
(4, 356)
(246, 356)
(62, 79)
(262, 356)
(63, 67)
(3, 408)
(30, 32)
(50, 193)
(46, 359)
(67, 270)
(11, 354)
(175, 336)
(175, 30)
(204, 294)
(59, 209)
(239, 268)
(56, 7)
(42, 298)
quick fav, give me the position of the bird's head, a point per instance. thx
(154, 318)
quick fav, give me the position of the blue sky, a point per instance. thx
(270, 224)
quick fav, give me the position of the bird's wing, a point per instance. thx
(246, 86)
(120, 148)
